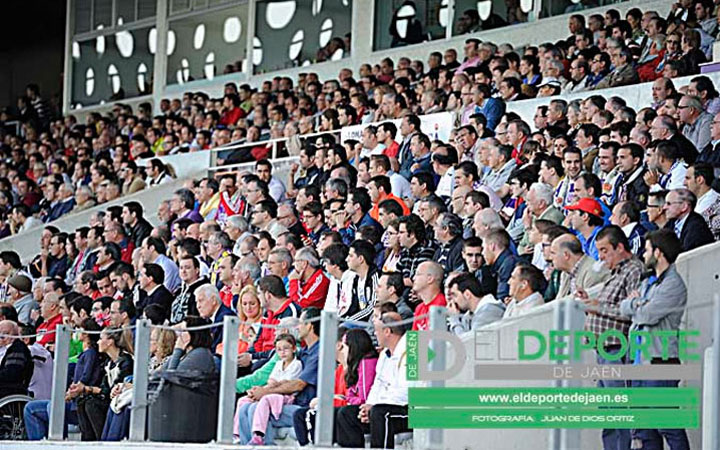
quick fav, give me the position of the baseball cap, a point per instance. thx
(588, 205)
(21, 283)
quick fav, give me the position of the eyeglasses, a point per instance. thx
(683, 106)
(673, 41)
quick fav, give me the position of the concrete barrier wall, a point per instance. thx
(542, 319)
(637, 96)
(187, 164)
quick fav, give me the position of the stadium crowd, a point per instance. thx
(57, 165)
(595, 200)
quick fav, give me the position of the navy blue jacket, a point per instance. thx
(502, 269)
(217, 332)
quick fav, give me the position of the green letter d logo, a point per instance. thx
(424, 338)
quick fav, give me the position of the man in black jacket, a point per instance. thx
(688, 225)
(711, 153)
(16, 368)
(137, 227)
(632, 183)
(448, 232)
(184, 304)
(152, 289)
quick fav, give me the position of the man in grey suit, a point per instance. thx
(475, 301)
(578, 269)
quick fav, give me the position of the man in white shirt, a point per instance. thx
(371, 146)
(341, 279)
(263, 169)
(22, 219)
(527, 283)
(385, 413)
(667, 169)
(698, 179)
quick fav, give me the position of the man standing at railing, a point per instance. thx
(602, 312)
(658, 308)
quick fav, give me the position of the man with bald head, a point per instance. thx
(16, 368)
(457, 201)
(287, 217)
(427, 285)
(578, 269)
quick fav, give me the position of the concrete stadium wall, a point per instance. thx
(542, 319)
(187, 164)
(637, 96)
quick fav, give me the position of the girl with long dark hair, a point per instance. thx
(361, 361)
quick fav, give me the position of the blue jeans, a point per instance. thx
(653, 439)
(246, 413)
(37, 419)
(614, 439)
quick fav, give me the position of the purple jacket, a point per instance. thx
(194, 216)
(358, 394)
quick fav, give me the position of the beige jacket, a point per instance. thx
(587, 273)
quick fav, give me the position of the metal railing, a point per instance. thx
(567, 314)
(226, 405)
(273, 143)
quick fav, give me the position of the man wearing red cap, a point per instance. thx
(586, 219)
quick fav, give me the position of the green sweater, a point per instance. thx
(258, 378)
(76, 347)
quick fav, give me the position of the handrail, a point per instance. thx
(239, 144)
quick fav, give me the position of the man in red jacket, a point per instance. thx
(50, 312)
(427, 284)
(308, 283)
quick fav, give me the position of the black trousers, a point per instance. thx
(304, 425)
(91, 411)
(385, 422)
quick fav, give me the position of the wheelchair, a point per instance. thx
(12, 421)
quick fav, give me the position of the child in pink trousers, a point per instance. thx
(288, 367)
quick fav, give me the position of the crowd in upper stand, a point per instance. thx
(503, 217)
